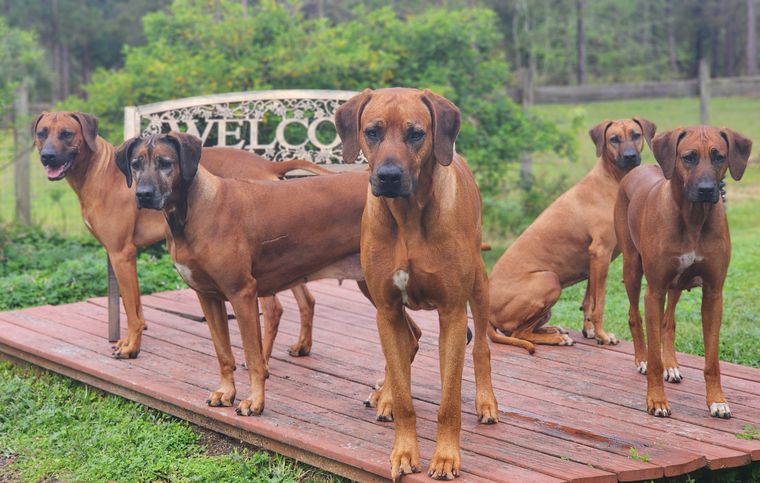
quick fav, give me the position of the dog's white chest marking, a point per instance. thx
(185, 273)
(87, 224)
(400, 280)
(685, 261)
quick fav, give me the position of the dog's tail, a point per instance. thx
(504, 339)
(284, 167)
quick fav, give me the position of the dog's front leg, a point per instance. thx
(124, 264)
(216, 316)
(654, 300)
(712, 314)
(445, 463)
(393, 329)
(245, 304)
(600, 257)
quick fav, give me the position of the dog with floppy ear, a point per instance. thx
(572, 240)
(236, 240)
(70, 148)
(671, 224)
(420, 250)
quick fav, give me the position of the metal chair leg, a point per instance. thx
(113, 304)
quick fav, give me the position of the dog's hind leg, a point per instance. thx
(486, 406)
(306, 308)
(671, 372)
(271, 309)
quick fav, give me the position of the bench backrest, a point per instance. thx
(277, 124)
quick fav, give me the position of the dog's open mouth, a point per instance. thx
(57, 172)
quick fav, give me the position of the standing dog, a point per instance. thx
(671, 224)
(235, 239)
(420, 249)
(70, 148)
(572, 240)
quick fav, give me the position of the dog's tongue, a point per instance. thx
(55, 171)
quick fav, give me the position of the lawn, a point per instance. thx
(50, 425)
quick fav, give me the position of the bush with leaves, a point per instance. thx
(20, 59)
(196, 49)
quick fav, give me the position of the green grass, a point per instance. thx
(54, 428)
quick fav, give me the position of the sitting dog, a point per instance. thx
(572, 240)
(234, 239)
(671, 224)
(70, 148)
(420, 249)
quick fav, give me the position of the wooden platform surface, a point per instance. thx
(567, 413)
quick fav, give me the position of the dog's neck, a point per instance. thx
(693, 215)
(610, 169)
(89, 162)
(411, 213)
(196, 193)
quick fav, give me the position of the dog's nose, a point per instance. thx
(389, 175)
(145, 193)
(47, 156)
(630, 156)
(706, 190)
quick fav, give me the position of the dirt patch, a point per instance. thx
(7, 474)
(218, 444)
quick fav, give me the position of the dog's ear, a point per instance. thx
(648, 128)
(347, 119)
(34, 126)
(598, 136)
(446, 123)
(89, 125)
(665, 149)
(189, 149)
(739, 149)
(124, 155)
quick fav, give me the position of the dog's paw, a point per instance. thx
(659, 407)
(125, 350)
(487, 410)
(248, 407)
(382, 400)
(405, 458)
(606, 339)
(565, 340)
(672, 374)
(445, 463)
(221, 398)
(642, 367)
(300, 349)
(720, 410)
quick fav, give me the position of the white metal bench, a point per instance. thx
(277, 124)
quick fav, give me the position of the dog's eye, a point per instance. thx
(372, 134)
(42, 134)
(164, 164)
(635, 136)
(415, 135)
(65, 135)
(690, 158)
(615, 139)
(717, 157)
(136, 163)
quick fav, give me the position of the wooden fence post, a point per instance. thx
(526, 159)
(22, 146)
(704, 91)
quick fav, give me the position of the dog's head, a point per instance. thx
(162, 166)
(63, 139)
(402, 132)
(620, 142)
(697, 158)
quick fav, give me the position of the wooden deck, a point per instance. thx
(567, 414)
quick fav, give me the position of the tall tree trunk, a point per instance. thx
(751, 39)
(580, 42)
(729, 57)
(65, 71)
(671, 28)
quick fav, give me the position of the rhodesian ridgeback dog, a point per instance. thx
(572, 240)
(70, 148)
(671, 224)
(420, 249)
(235, 239)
